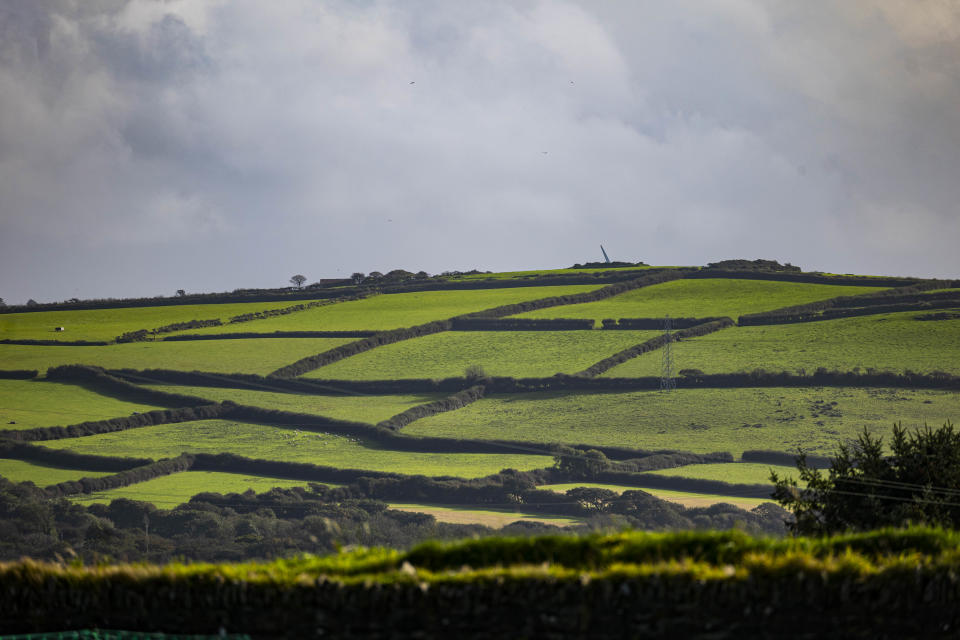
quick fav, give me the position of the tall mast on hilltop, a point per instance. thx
(605, 256)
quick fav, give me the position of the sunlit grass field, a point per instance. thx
(685, 498)
(500, 353)
(699, 420)
(358, 408)
(167, 492)
(735, 473)
(107, 324)
(38, 403)
(489, 517)
(288, 444)
(42, 475)
(222, 356)
(397, 310)
(700, 299)
(894, 342)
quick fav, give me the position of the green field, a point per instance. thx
(397, 310)
(358, 408)
(700, 299)
(500, 353)
(221, 356)
(38, 403)
(42, 475)
(167, 492)
(685, 498)
(892, 342)
(107, 324)
(734, 473)
(489, 517)
(699, 420)
(290, 445)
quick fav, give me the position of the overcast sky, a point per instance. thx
(148, 146)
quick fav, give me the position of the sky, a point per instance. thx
(154, 145)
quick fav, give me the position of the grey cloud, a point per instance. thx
(225, 144)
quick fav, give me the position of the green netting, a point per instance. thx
(100, 634)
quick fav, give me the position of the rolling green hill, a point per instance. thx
(407, 380)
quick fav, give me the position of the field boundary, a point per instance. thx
(19, 374)
(311, 363)
(450, 403)
(275, 334)
(653, 344)
(135, 475)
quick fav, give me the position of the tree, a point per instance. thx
(298, 281)
(2, 303)
(864, 489)
(181, 293)
(579, 464)
(357, 277)
(592, 499)
(32, 303)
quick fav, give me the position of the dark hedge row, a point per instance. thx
(125, 478)
(147, 334)
(58, 343)
(678, 483)
(273, 313)
(784, 458)
(66, 459)
(521, 324)
(655, 324)
(849, 312)
(310, 363)
(230, 463)
(19, 374)
(103, 383)
(811, 278)
(147, 419)
(450, 403)
(652, 345)
(275, 334)
(798, 313)
(603, 293)
(677, 595)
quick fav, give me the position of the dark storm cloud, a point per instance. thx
(149, 146)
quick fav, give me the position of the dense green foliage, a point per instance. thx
(894, 342)
(699, 299)
(503, 353)
(918, 483)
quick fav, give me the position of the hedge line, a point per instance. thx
(450, 403)
(521, 324)
(19, 374)
(680, 594)
(655, 324)
(274, 334)
(230, 463)
(67, 459)
(126, 478)
(801, 312)
(678, 483)
(812, 278)
(310, 363)
(99, 380)
(653, 344)
(272, 313)
(849, 312)
(558, 382)
(93, 427)
(578, 298)
(783, 458)
(141, 335)
(57, 343)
